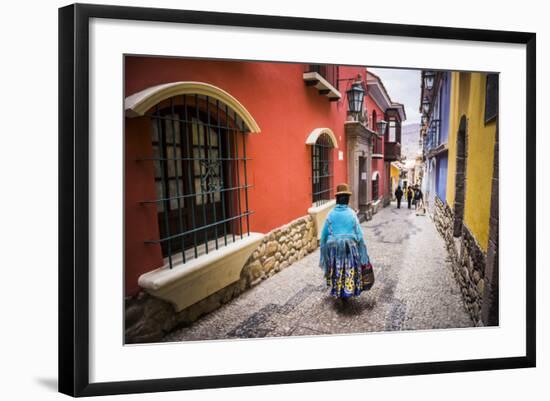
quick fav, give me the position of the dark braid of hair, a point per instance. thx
(342, 199)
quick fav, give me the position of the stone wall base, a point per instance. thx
(149, 319)
(467, 259)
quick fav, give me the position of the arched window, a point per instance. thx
(322, 142)
(200, 165)
(322, 169)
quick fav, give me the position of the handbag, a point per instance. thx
(367, 276)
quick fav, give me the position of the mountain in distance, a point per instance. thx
(410, 135)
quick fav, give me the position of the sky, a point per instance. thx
(403, 86)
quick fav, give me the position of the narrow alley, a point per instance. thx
(414, 290)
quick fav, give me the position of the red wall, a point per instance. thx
(377, 164)
(140, 220)
(286, 111)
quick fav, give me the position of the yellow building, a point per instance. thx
(468, 94)
(395, 173)
(468, 217)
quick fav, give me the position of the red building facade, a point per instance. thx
(230, 169)
(377, 180)
(387, 144)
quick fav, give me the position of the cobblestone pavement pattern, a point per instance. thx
(414, 289)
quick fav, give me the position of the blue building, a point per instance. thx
(435, 107)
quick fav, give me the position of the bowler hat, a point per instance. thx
(343, 189)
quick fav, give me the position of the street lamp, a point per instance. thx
(425, 105)
(355, 98)
(382, 126)
(429, 78)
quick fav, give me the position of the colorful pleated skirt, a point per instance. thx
(346, 272)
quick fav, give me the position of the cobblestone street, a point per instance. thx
(414, 289)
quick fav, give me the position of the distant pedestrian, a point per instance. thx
(410, 195)
(418, 198)
(344, 258)
(398, 196)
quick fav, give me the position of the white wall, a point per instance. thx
(28, 162)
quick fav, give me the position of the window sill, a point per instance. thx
(186, 284)
(322, 85)
(319, 215)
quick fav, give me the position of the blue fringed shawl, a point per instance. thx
(342, 238)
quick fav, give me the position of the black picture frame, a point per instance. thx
(74, 198)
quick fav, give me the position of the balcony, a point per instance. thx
(392, 151)
(324, 78)
(432, 143)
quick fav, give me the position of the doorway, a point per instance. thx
(363, 199)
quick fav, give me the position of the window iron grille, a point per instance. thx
(434, 134)
(200, 166)
(322, 171)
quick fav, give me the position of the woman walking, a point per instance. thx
(344, 257)
(417, 197)
(398, 195)
(419, 201)
(410, 195)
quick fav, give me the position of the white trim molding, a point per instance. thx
(317, 132)
(187, 283)
(139, 103)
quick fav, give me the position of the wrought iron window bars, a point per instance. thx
(201, 179)
(322, 171)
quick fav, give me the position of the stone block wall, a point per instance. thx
(467, 258)
(279, 249)
(149, 319)
(444, 219)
